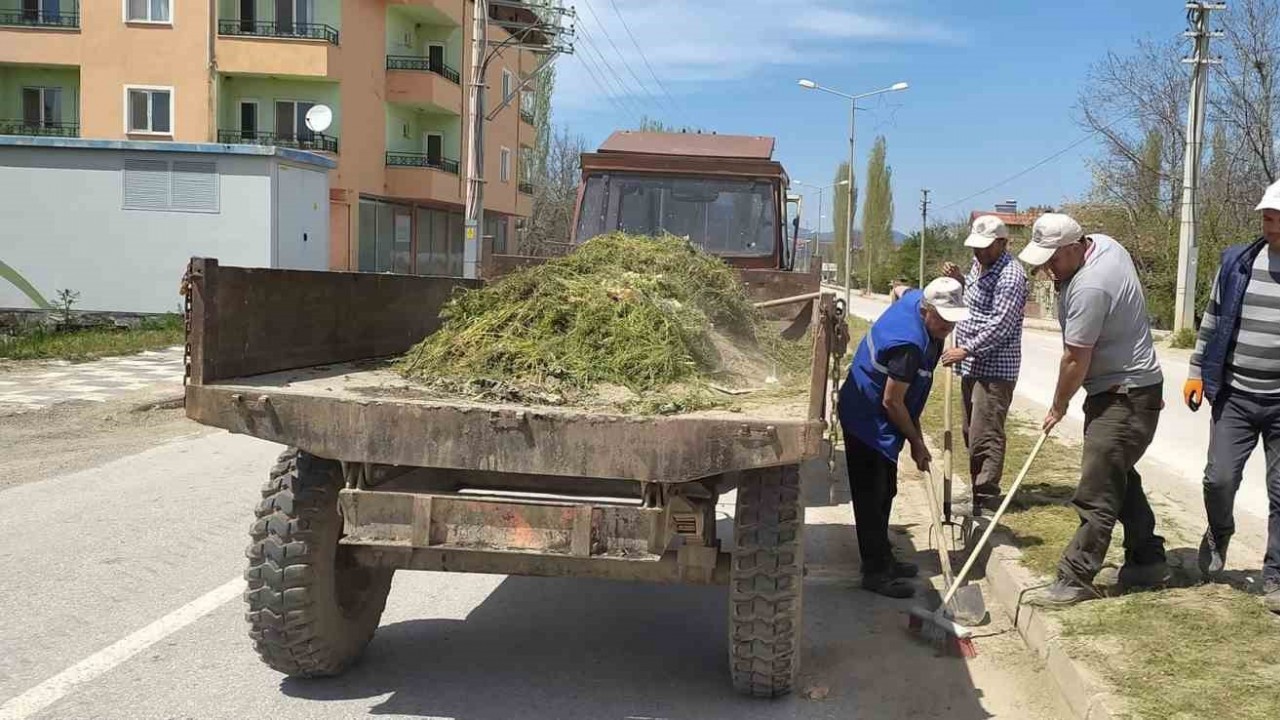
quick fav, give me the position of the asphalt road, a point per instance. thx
(122, 600)
(1174, 464)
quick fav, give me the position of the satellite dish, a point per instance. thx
(319, 118)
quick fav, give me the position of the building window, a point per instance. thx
(155, 11)
(149, 110)
(508, 83)
(248, 119)
(41, 106)
(291, 120)
(504, 173)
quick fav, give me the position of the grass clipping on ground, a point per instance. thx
(650, 324)
(1204, 651)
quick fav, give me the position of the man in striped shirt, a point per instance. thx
(1236, 367)
(988, 352)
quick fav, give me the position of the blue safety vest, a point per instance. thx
(861, 397)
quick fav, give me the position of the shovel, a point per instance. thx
(964, 604)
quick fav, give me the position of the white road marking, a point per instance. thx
(59, 686)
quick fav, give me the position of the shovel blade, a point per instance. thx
(969, 606)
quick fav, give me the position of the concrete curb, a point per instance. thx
(1085, 694)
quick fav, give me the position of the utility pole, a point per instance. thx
(924, 224)
(474, 202)
(536, 27)
(1185, 300)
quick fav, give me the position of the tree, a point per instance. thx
(651, 124)
(1149, 174)
(840, 217)
(549, 227)
(877, 216)
(1138, 101)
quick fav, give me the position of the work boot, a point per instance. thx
(899, 569)
(1212, 558)
(1271, 595)
(888, 586)
(984, 504)
(1156, 574)
(1061, 594)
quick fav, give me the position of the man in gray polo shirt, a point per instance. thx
(1107, 350)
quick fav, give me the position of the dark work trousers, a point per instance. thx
(873, 483)
(1117, 430)
(986, 407)
(1238, 420)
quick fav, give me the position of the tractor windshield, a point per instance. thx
(723, 216)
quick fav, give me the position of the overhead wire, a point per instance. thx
(610, 74)
(1037, 165)
(606, 80)
(623, 58)
(671, 100)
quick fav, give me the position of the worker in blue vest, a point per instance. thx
(879, 408)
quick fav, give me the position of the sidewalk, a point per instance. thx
(42, 385)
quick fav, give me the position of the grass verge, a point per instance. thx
(1207, 651)
(92, 343)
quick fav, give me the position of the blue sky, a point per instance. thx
(994, 84)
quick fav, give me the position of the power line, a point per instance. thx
(605, 92)
(1042, 163)
(622, 58)
(608, 81)
(643, 58)
(612, 75)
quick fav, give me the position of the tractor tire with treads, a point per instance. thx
(311, 611)
(766, 582)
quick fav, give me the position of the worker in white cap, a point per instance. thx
(988, 353)
(879, 410)
(1236, 367)
(1107, 350)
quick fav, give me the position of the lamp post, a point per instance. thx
(821, 189)
(853, 108)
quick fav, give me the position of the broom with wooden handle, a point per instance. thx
(935, 626)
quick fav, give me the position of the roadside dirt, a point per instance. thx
(74, 436)
(859, 654)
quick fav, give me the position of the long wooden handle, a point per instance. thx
(995, 520)
(944, 559)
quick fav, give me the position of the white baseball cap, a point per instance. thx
(1270, 198)
(1051, 231)
(946, 295)
(986, 230)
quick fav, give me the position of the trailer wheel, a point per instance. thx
(311, 611)
(766, 582)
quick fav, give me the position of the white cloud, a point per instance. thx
(691, 42)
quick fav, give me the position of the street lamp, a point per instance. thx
(853, 108)
(821, 189)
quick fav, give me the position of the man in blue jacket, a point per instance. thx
(879, 408)
(1236, 367)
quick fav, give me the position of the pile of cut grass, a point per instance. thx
(642, 313)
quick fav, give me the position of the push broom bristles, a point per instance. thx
(942, 633)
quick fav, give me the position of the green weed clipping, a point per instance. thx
(641, 313)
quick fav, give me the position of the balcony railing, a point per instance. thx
(302, 141)
(43, 129)
(422, 64)
(40, 18)
(400, 159)
(526, 187)
(263, 28)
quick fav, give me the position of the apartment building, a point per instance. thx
(247, 72)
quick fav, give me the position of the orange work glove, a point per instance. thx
(1193, 393)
